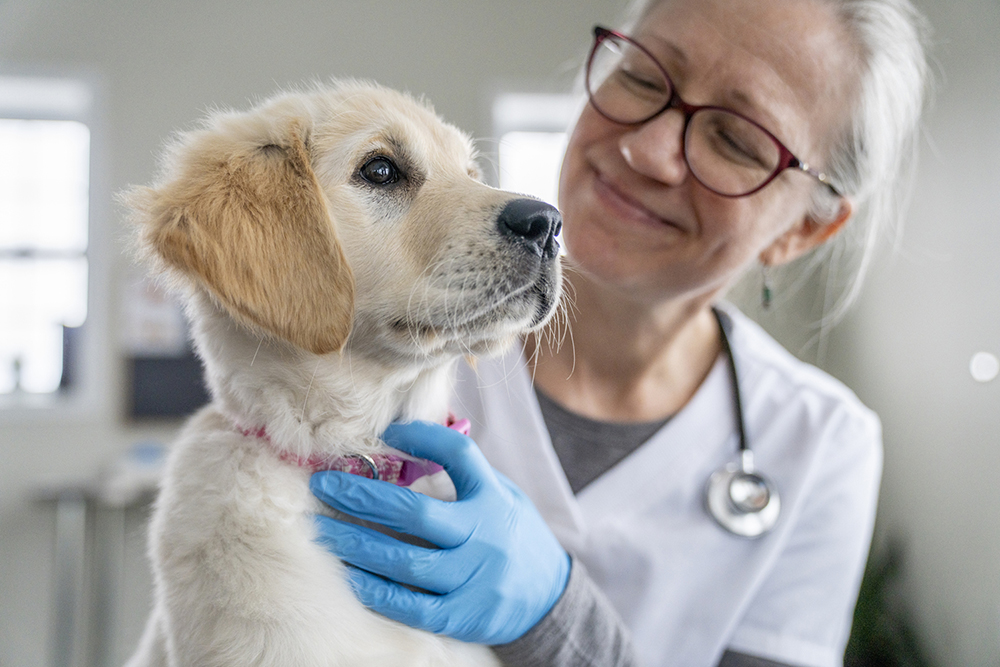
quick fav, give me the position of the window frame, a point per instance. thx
(91, 397)
(529, 108)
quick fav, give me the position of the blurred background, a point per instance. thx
(96, 372)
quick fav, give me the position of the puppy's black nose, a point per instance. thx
(532, 223)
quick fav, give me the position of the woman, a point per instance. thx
(719, 134)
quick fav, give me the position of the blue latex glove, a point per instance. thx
(499, 569)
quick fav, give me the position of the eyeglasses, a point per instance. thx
(729, 154)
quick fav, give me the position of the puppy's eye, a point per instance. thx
(380, 171)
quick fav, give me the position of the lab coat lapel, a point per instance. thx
(670, 466)
(517, 443)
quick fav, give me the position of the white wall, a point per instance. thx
(905, 349)
(908, 347)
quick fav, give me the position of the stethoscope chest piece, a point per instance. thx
(741, 500)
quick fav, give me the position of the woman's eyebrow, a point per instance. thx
(673, 58)
(749, 105)
(657, 45)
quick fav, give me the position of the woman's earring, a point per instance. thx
(765, 292)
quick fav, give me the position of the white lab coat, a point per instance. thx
(686, 588)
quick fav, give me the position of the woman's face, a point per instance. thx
(636, 219)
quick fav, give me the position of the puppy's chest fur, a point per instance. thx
(233, 545)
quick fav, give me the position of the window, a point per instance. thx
(45, 205)
(44, 180)
(533, 130)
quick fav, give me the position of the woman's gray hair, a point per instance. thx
(874, 160)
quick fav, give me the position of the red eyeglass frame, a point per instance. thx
(786, 159)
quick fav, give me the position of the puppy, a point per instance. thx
(337, 253)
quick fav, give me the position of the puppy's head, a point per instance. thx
(351, 216)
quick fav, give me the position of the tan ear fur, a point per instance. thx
(250, 223)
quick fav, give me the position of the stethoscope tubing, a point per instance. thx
(737, 394)
(756, 510)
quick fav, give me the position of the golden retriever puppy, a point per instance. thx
(337, 253)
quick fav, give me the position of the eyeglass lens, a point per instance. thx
(727, 153)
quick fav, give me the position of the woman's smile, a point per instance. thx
(628, 206)
(623, 205)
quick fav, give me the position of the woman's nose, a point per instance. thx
(655, 149)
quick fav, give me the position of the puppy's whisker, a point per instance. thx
(413, 312)
(563, 316)
(555, 333)
(312, 379)
(453, 320)
(357, 394)
(535, 354)
(411, 320)
(568, 331)
(441, 265)
(451, 305)
(256, 352)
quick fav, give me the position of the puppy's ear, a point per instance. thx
(249, 222)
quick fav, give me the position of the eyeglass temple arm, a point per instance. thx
(818, 175)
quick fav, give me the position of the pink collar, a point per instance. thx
(392, 465)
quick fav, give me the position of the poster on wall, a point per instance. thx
(165, 376)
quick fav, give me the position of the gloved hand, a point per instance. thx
(499, 569)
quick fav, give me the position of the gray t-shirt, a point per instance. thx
(587, 448)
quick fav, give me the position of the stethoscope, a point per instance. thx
(739, 498)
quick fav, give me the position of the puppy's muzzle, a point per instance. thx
(533, 225)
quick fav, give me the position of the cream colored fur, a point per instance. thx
(323, 307)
